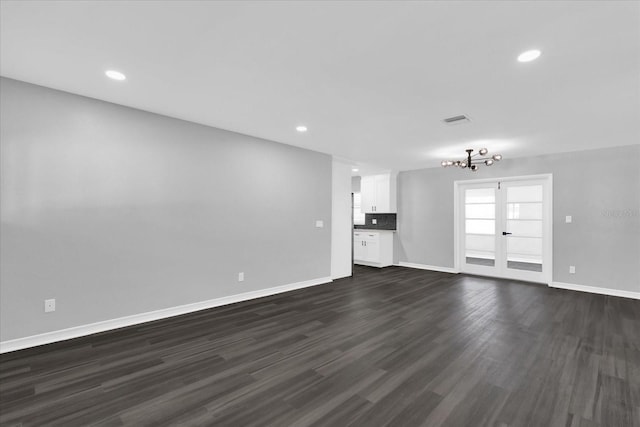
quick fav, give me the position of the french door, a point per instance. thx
(504, 228)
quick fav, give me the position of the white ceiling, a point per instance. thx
(371, 80)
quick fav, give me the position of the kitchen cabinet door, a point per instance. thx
(368, 193)
(372, 247)
(382, 193)
(359, 250)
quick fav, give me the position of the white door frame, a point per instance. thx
(548, 227)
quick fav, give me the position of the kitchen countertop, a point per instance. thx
(366, 230)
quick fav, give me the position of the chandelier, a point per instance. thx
(472, 161)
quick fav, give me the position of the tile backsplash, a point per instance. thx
(383, 221)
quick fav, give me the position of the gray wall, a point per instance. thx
(599, 188)
(355, 184)
(115, 211)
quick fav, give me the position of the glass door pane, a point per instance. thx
(480, 226)
(524, 222)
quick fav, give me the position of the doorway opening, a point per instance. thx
(503, 227)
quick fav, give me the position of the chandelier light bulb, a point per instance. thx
(463, 165)
(483, 151)
(443, 163)
(474, 168)
(497, 157)
(488, 162)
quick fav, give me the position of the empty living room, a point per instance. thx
(320, 213)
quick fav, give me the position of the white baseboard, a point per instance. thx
(596, 290)
(428, 267)
(371, 264)
(560, 285)
(121, 322)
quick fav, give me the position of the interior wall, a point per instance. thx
(355, 184)
(341, 227)
(114, 211)
(600, 189)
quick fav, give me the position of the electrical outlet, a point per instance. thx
(568, 219)
(49, 305)
(319, 223)
(241, 276)
(374, 221)
(572, 269)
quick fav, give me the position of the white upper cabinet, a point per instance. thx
(378, 193)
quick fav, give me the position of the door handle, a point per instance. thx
(504, 233)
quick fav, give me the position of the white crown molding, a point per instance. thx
(428, 267)
(595, 290)
(121, 322)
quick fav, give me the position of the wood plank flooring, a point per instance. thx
(396, 346)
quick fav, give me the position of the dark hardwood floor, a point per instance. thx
(396, 346)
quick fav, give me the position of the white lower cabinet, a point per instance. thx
(373, 248)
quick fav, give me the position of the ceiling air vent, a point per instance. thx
(456, 120)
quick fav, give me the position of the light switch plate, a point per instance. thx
(319, 223)
(374, 221)
(49, 305)
(568, 219)
(572, 269)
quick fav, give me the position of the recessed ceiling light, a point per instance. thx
(301, 128)
(529, 55)
(354, 170)
(115, 75)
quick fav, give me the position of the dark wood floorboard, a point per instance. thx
(393, 346)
